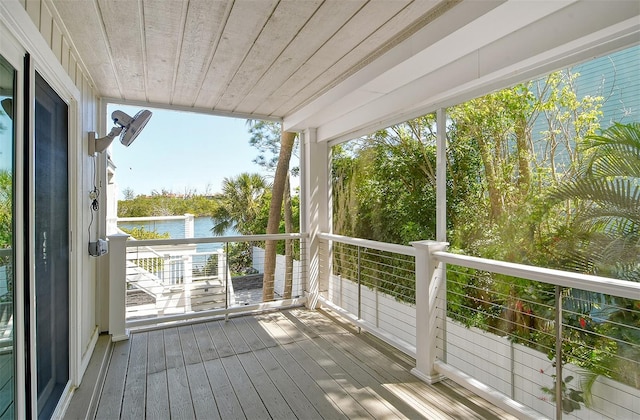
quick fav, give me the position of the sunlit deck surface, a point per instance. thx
(281, 365)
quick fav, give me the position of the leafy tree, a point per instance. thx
(128, 194)
(141, 233)
(167, 204)
(6, 209)
(384, 185)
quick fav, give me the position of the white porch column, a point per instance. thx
(117, 286)
(441, 175)
(316, 205)
(430, 308)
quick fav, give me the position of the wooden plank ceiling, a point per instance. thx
(246, 57)
(340, 66)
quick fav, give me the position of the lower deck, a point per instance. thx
(281, 365)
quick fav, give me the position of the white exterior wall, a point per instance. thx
(84, 286)
(57, 62)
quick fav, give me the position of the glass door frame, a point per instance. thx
(12, 52)
(56, 82)
(19, 38)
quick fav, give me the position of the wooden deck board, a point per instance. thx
(113, 390)
(180, 403)
(297, 401)
(348, 376)
(133, 405)
(157, 403)
(228, 404)
(280, 365)
(250, 401)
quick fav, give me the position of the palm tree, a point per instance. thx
(239, 204)
(607, 191)
(607, 227)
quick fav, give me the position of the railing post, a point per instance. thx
(187, 263)
(117, 286)
(187, 281)
(558, 334)
(189, 225)
(430, 316)
(359, 289)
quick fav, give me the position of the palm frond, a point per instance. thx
(615, 152)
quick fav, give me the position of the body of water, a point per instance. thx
(175, 229)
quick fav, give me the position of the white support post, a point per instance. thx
(187, 263)
(117, 286)
(189, 225)
(430, 308)
(222, 264)
(317, 204)
(441, 175)
(187, 281)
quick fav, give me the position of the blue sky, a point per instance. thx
(181, 151)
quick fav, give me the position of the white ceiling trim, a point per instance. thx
(480, 32)
(416, 85)
(185, 108)
(389, 110)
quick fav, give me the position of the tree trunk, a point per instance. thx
(487, 156)
(524, 156)
(275, 208)
(288, 243)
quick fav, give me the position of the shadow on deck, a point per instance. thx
(280, 365)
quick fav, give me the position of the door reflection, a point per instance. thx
(7, 140)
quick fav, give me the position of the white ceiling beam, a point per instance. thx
(466, 28)
(456, 83)
(500, 46)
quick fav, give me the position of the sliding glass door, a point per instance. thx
(51, 241)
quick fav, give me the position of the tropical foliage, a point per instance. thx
(606, 189)
(166, 203)
(240, 204)
(530, 179)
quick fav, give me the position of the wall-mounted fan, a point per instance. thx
(126, 127)
(7, 106)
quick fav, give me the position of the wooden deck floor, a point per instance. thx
(281, 365)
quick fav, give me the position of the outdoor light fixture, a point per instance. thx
(126, 127)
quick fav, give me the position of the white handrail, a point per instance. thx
(149, 218)
(216, 239)
(605, 285)
(381, 246)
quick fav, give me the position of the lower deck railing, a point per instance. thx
(505, 330)
(159, 281)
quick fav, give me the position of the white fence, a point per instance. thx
(281, 266)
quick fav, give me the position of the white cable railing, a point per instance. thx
(492, 325)
(163, 280)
